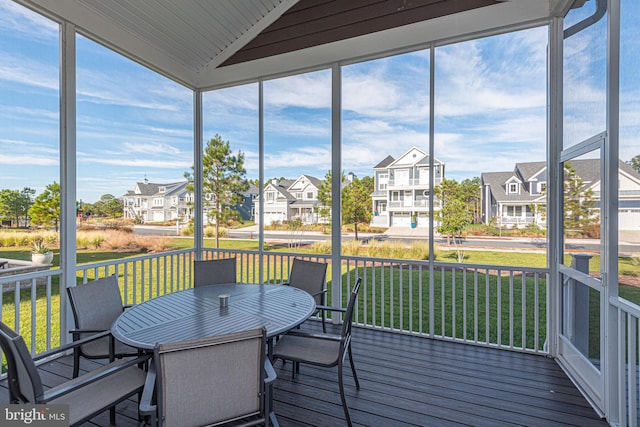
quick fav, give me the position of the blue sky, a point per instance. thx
(133, 123)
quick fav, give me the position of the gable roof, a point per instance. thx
(146, 188)
(384, 163)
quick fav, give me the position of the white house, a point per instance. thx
(401, 189)
(287, 199)
(153, 202)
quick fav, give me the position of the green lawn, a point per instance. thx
(382, 291)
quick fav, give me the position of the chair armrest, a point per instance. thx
(71, 345)
(330, 308)
(93, 376)
(147, 407)
(322, 292)
(271, 373)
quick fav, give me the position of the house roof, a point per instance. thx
(497, 180)
(386, 162)
(587, 169)
(146, 188)
(211, 44)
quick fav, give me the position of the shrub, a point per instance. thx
(352, 248)
(210, 231)
(323, 247)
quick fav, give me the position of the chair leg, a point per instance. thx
(353, 368)
(112, 415)
(76, 362)
(324, 319)
(342, 397)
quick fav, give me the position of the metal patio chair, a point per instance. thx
(87, 395)
(214, 272)
(216, 380)
(323, 350)
(96, 305)
(310, 277)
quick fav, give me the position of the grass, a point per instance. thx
(389, 294)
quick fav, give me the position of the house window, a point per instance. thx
(512, 211)
(395, 196)
(271, 196)
(309, 195)
(382, 186)
(542, 187)
(298, 195)
(513, 188)
(158, 201)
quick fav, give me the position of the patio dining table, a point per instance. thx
(197, 312)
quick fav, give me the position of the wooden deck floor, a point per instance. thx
(408, 381)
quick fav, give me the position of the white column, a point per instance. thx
(67, 172)
(261, 179)
(336, 198)
(198, 222)
(554, 183)
(609, 220)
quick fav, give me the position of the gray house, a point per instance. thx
(510, 198)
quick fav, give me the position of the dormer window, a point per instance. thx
(513, 188)
(542, 187)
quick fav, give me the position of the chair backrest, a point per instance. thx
(97, 304)
(209, 380)
(214, 272)
(309, 276)
(348, 315)
(25, 385)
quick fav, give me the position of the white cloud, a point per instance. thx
(18, 19)
(25, 70)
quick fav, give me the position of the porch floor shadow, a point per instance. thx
(407, 381)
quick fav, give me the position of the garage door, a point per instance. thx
(401, 219)
(271, 217)
(629, 219)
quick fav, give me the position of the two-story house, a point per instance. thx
(288, 199)
(152, 202)
(402, 186)
(513, 198)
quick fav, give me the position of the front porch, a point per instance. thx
(410, 380)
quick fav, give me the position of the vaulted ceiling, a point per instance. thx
(205, 44)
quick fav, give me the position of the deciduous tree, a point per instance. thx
(15, 204)
(454, 215)
(356, 202)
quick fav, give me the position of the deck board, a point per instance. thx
(409, 381)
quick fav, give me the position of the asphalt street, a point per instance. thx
(502, 243)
